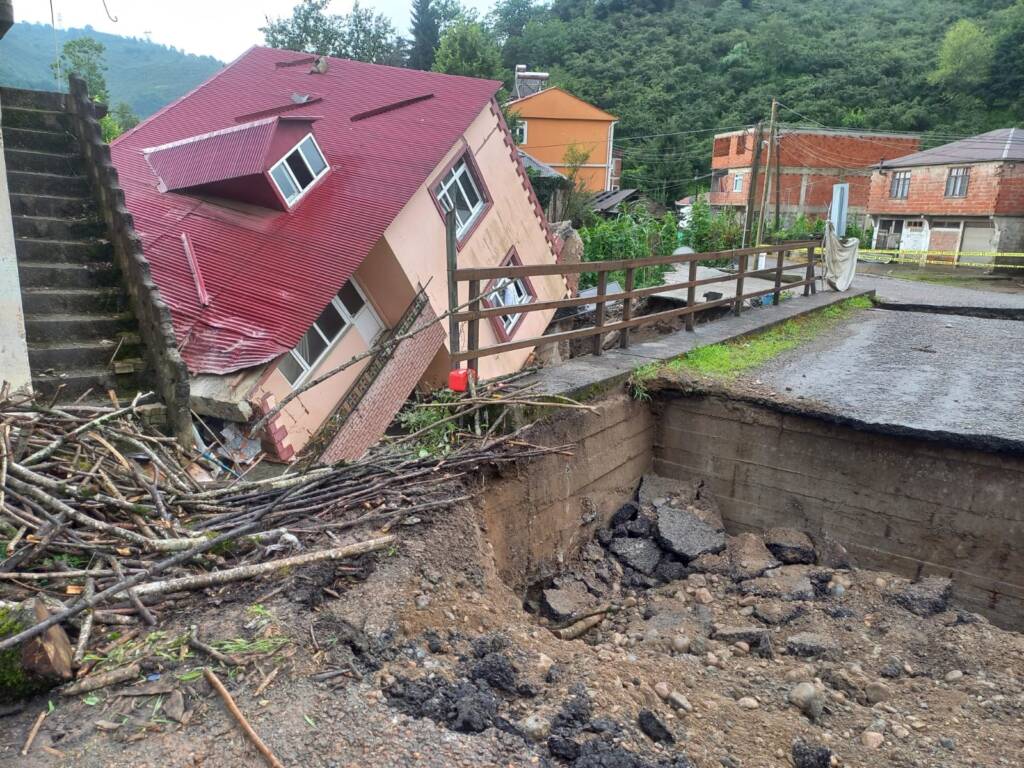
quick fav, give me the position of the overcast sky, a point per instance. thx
(221, 28)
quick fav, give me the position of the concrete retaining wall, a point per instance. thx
(539, 515)
(905, 504)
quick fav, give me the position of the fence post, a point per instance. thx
(777, 296)
(453, 286)
(740, 272)
(691, 295)
(602, 291)
(627, 309)
(473, 334)
(809, 288)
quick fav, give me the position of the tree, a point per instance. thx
(965, 57)
(362, 35)
(426, 35)
(85, 57)
(467, 49)
(509, 18)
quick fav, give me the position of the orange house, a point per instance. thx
(552, 120)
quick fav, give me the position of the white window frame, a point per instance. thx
(737, 182)
(283, 163)
(453, 178)
(496, 298)
(350, 322)
(958, 180)
(522, 133)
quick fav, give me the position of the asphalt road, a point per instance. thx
(925, 371)
(929, 294)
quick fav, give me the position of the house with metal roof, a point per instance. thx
(959, 202)
(292, 210)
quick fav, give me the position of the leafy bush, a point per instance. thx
(633, 234)
(708, 231)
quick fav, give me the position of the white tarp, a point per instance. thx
(840, 258)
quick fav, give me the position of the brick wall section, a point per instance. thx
(152, 314)
(388, 393)
(901, 503)
(810, 163)
(992, 188)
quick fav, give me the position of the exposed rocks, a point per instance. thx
(871, 739)
(811, 644)
(808, 698)
(654, 728)
(685, 533)
(535, 727)
(748, 556)
(751, 635)
(832, 554)
(640, 554)
(811, 755)
(926, 597)
(568, 603)
(790, 546)
(777, 613)
(783, 583)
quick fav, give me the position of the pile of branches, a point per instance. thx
(105, 517)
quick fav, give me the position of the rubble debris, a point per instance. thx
(811, 755)
(748, 556)
(685, 533)
(790, 546)
(654, 728)
(642, 555)
(924, 598)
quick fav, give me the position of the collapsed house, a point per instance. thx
(292, 209)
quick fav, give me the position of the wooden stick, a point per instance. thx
(216, 578)
(95, 682)
(236, 713)
(53, 446)
(83, 634)
(266, 681)
(140, 609)
(196, 644)
(32, 733)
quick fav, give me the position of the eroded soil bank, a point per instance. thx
(704, 648)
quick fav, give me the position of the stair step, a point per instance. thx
(52, 301)
(36, 119)
(54, 206)
(42, 141)
(81, 326)
(60, 229)
(22, 97)
(67, 355)
(96, 381)
(32, 183)
(61, 164)
(38, 274)
(82, 252)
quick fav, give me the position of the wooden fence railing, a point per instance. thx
(475, 312)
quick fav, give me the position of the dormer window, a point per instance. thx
(297, 170)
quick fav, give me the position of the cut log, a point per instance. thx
(37, 664)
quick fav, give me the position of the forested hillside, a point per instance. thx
(143, 74)
(666, 66)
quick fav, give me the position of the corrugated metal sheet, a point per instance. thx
(269, 273)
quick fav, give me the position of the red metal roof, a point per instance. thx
(269, 273)
(226, 154)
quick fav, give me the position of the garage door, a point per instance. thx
(977, 239)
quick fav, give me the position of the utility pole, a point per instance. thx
(748, 219)
(772, 135)
(778, 176)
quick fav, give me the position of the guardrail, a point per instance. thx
(597, 331)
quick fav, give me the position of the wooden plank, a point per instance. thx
(809, 276)
(778, 278)
(627, 310)
(529, 270)
(602, 291)
(451, 253)
(740, 272)
(473, 334)
(691, 295)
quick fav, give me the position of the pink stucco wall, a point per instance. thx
(416, 237)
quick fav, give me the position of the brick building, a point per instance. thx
(810, 162)
(966, 197)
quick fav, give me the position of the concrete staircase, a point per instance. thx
(82, 336)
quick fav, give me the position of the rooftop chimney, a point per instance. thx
(529, 83)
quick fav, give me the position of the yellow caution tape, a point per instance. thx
(950, 258)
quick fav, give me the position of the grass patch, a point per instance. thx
(729, 359)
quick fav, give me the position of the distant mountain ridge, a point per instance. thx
(143, 74)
